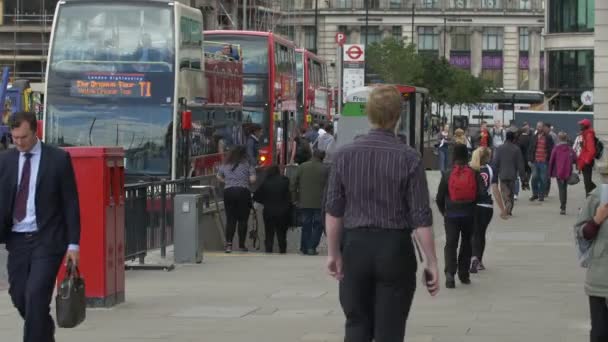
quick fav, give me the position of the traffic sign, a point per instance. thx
(354, 53)
(587, 98)
(340, 38)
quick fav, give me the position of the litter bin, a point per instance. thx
(188, 217)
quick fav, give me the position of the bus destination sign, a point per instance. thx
(112, 85)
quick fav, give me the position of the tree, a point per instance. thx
(394, 61)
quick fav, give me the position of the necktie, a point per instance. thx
(24, 190)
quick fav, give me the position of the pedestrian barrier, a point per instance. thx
(149, 216)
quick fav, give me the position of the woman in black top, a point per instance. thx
(274, 195)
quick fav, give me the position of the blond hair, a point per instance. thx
(383, 107)
(459, 137)
(563, 136)
(480, 157)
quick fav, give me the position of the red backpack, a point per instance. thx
(462, 185)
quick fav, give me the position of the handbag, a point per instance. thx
(70, 302)
(573, 179)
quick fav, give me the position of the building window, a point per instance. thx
(428, 39)
(571, 16)
(461, 39)
(571, 69)
(395, 4)
(343, 4)
(429, 3)
(492, 39)
(374, 34)
(460, 4)
(308, 4)
(525, 4)
(397, 33)
(490, 4)
(309, 37)
(524, 39)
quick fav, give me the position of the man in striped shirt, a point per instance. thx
(377, 195)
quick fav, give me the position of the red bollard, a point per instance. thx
(100, 182)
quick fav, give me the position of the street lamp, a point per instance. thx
(365, 43)
(316, 25)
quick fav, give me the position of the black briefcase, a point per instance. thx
(70, 302)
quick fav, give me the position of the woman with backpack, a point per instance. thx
(237, 174)
(484, 210)
(459, 192)
(588, 154)
(560, 167)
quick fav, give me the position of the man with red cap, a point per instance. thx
(587, 155)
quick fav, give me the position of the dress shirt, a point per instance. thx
(29, 224)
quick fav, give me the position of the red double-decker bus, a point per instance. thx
(314, 94)
(269, 88)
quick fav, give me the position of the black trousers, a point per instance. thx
(237, 203)
(599, 319)
(378, 286)
(562, 185)
(587, 174)
(32, 270)
(455, 260)
(275, 224)
(483, 217)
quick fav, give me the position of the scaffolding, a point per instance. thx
(255, 15)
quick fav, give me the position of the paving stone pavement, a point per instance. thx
(531, 291)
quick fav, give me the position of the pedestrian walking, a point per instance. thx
(484, 210)
(523, 141)
(300, 150)
(274, 195)
(237, 174)
(592, 227)
(548, 128)
(459, 192)
(253, 144)
(326, 143)
(484, 138)
(377, 195)
(307, 188)
(539, 153)
(444, 140)
(499, 134)
(39, 223)
(586, 159)
(560, 168)
(509, 164)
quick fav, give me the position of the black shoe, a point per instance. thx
(562, 212)
(474, 265)
(533, 198)
(541, 199)
(464, 279)
(228, 248)
(450, 282)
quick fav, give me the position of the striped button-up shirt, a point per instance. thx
(379, 182)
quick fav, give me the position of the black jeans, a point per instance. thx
(587, 173)
(455, 227)
(275, 224)
(237, 203)
(599, 319)
(562, 185)
(483, 217)
(379, 282)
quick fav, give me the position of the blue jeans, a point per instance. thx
(312, 229)
(539, 179)
(443, 159)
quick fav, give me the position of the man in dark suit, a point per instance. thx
(39, 223)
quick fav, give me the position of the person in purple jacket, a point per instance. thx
(560, 167)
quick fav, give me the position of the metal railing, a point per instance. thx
(149, 213)
(28, 19)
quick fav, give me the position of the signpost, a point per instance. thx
(353, 68)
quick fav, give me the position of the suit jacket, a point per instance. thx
(57, 208)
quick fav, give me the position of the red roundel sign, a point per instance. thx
(354, 52)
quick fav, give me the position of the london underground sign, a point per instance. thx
(354, 53)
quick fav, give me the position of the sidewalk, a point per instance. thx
(532, 291)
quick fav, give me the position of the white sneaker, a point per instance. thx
(515, 197)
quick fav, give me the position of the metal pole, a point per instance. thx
(366, 35)
(413, 21)
(445, 37)
(340, 97)
(316, 25)
(244, 15)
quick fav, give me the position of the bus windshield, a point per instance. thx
(254, 49)
(111, 81)
(110, 37)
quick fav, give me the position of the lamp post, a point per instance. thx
(316, 25)
(365, 42)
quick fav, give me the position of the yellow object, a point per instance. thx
(308, 118)
(277, 116)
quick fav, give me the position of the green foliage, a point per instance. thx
(399, 63)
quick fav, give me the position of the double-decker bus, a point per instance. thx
(314, 94)
(269, 88)
(122, 73)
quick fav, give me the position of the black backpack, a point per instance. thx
(599, 148)
(303, 153)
